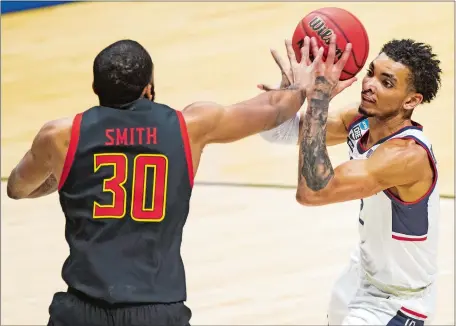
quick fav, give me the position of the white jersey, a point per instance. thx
(398, 240)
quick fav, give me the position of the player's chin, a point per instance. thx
(367, 112)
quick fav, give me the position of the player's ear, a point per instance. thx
(147, 92)
(412, 101)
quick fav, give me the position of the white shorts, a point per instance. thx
(354, 301)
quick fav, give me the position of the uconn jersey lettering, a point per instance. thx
(398, 240)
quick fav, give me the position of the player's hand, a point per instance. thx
(304, 72)
(285, 67)
(331, 70)
(341, 85)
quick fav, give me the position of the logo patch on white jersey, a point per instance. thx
(364, 125)
(357, 132)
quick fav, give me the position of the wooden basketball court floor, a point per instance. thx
(253, 255)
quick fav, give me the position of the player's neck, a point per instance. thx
(380, 128)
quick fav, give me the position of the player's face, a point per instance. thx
(385, 88)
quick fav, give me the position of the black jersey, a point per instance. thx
(125, 192)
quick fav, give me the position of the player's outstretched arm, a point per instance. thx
(214, 123)
(209, 122)
(396, 163)
(34, 176)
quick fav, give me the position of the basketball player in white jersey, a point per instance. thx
(392, 171)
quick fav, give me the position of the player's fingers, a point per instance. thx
(331, 49)
(287, 79)
(283, 65)
(346, 83)
(316, 62)
(305, 51)
(314, 46)
(290, 52)
(266, 88)
(344, 58)
(309, 59)
(341, 85)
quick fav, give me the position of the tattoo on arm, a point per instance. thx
(46, 188)
(314, 161)
(50, 184)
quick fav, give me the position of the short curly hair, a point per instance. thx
(121, 71)
(423, 65)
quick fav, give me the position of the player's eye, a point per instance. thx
(387, 84)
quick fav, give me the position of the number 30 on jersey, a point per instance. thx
(142, 166)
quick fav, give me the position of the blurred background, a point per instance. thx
(201, 51)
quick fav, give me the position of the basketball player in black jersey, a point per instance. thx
(124, 173)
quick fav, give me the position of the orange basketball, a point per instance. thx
(324, 22)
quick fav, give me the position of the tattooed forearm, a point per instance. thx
(46, 188)
(315, 165)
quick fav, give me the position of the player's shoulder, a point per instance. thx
(400, 160)
(57, 124)
(201, 119)
(404, 150)
(201, 108)
(55, 128)
(162, 106)
(202, 113)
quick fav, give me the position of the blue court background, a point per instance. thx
(14, 6)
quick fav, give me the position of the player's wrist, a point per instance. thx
(297, 86)
(283, 85)
(302, 91)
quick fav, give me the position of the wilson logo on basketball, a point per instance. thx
(324, 32)
(322, 24)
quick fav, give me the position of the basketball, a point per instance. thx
(324, 22)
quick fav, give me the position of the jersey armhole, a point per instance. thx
(187, 148)
(69, 158)
(434, 181)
